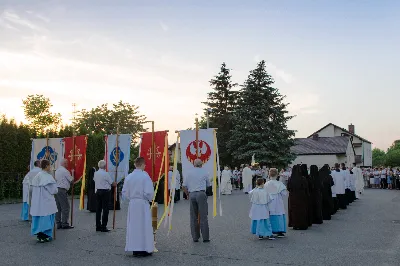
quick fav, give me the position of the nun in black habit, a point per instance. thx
(316, 195)
(310, 199)
(91, 195)
(298, 200)
(327, 200)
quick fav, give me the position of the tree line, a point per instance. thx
(390, 158)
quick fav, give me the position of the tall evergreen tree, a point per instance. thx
(220, 104)
(260, 120)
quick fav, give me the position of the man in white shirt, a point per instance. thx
(194, 185)
(64, 180)
(383, 178)
(103, 182)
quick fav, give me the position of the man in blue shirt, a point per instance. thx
(194, 185)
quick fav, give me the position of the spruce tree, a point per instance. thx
(260, 122)
(220, 104)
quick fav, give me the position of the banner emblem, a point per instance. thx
(48, 153)
(204, 151)
(113, 156)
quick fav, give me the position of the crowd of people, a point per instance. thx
(382, 177)
(314, 195)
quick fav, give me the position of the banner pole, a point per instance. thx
(197, 156)
(152, 151)
(116, 175)
(73, 178)
(47, 156)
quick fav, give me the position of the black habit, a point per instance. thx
(310, 199)
(91, 195)
(327, 200)
(298, 200)
(316, 195)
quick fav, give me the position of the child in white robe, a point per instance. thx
(277, 190)
(43, 205)
(259, 212)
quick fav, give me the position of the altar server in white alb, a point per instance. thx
(44, 206)
(226, 185)
(359, 181)
(259, 212)
(247, 176)
(27, 190)
(277, 190)
(138, 190)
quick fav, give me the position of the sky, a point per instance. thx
(336, 61)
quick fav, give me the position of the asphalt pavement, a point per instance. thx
(367, 233)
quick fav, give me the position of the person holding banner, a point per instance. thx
(194, 185)
(138, 190)
(103, 182)
(64, 180)
(44, 206)
(27, 190)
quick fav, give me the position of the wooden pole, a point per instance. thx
(73, 178)
(197, 156)
(47, 157)
(153, 159)
(116, 174)
(73, 169)
(197, 138)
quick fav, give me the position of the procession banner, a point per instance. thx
(51, 149)
(124, 149)
(79, 154)
(160, 142)
(206, 150)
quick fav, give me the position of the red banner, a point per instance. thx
(160, 141)
(76, 157)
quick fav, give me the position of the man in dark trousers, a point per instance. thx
(103, 182)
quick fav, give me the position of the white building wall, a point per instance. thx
(327, 132)
(367, 154)
(350, 155)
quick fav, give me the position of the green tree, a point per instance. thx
(393, 154)
(378, 157)
(37, 112)
(220, 104)
(105, 120)
(260, 120)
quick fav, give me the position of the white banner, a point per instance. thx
(51, 149)
(206, 150)
(124, 148)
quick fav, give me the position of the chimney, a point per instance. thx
(315, 137)
(351, 129)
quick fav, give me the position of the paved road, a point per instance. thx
(364, 234)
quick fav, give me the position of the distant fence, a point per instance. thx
(11, 187)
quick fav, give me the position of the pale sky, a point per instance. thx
(337, 61)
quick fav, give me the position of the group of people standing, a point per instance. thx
(318, 194)
(383, 177)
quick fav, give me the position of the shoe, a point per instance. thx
(195, 240)
(206, 241)
(59, 226)
(105, 230)
(98, 229)
(281, 235)
(260, 238)
(271, 238)
(67, 227)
